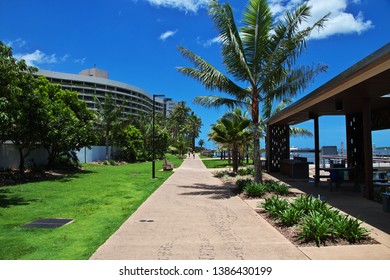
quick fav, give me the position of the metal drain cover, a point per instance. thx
(146, 221)
(48, 223)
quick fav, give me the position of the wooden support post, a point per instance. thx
(316, 150)
(367, 140)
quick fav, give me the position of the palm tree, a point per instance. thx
(108, 117)
(261, 55)
(231, 131)
(177, 119)
(194, 124)
(201, 143)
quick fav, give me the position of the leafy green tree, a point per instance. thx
(261, 56)
(22, 116)
(130, 142)
(68, 123)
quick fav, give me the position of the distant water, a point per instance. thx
(310, 155)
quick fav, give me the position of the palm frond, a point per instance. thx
(297, 80)
(297, 131)
(232, 48)
(255, 33)
(209, 76)
(212, 101)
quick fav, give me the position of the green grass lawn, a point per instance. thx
(100, 199)
(218, 163)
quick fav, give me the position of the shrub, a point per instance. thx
(315, 227)
(282, 189)
(308, 203)
(290, 216)
(270, 185)
(349, 228)
(242, 183)
(255, 190)
(274, 205)
(220, 174)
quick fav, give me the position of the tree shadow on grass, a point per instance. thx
(212, 191)
(7, 199)
(12, 177)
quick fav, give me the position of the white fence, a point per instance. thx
(96, 153)
(9, 156)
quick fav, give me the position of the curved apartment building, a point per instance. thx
(94, 82)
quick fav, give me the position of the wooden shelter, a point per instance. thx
(361, 94)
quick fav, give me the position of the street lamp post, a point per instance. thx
(153, 143)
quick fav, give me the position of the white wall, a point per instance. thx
(9, 157)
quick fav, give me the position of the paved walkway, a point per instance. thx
(193, 216)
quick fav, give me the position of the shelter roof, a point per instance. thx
(366, 81)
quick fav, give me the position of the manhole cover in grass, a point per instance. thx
(48, 223)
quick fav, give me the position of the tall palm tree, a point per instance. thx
(231, 131)
(177, 119)
(193, 127)
(261, 55)
(108, 117)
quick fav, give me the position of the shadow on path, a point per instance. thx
(213, 191)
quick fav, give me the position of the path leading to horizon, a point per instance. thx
(193, 216)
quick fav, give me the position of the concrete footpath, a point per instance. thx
(192, 216)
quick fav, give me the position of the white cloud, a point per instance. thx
(185, 5)
(209, 42)
(16, 43)
(80, 60)
(167, 34)
(37, 57)
(340, 21)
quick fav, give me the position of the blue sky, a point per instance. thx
(136, 41)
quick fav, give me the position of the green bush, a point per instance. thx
(290, 216)
(282, 189)
(255, 190)
(308, 203)
(315, 227)
(349, 228)
(274, 205)
(318, 221)
(277, 187)
(245, 171)
(220, 174)
(242, 183)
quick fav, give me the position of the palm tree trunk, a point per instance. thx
(107, 132)
(235, 159)
(256, 154)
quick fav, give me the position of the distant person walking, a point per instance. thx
(193, 154)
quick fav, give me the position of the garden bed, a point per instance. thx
(292, 234)
(316, 225)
